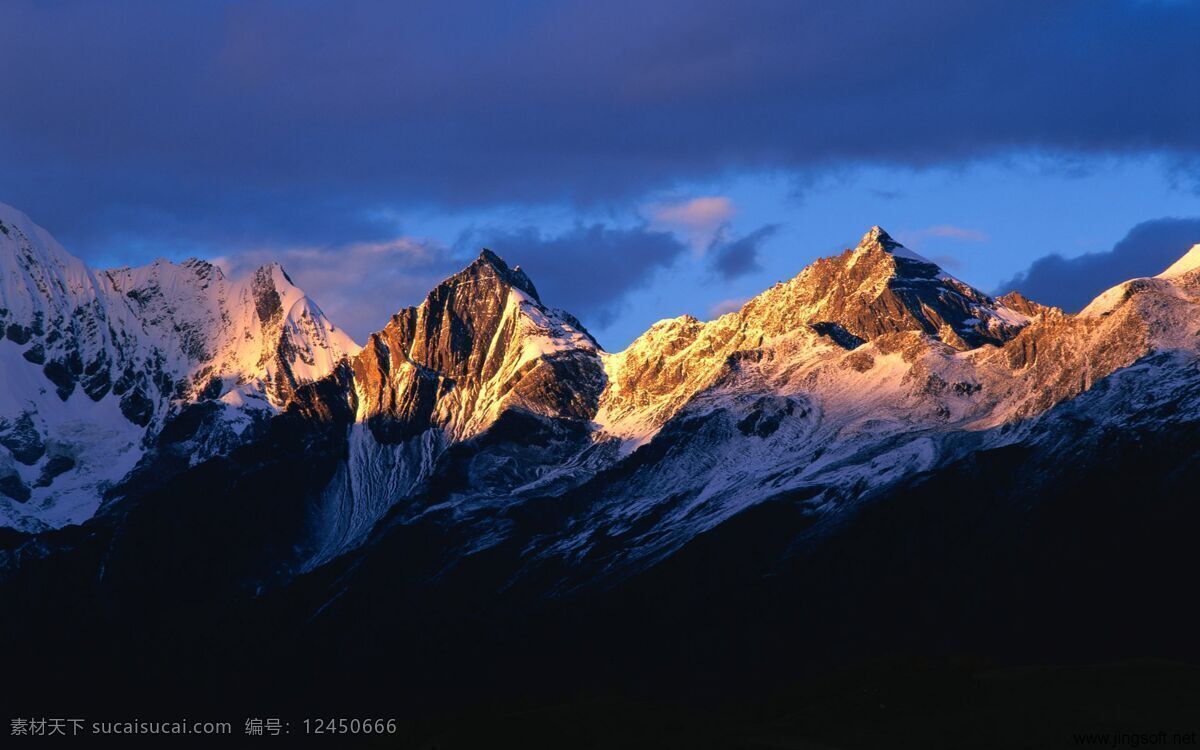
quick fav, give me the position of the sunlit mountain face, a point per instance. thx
(600, 375)
(205, 475)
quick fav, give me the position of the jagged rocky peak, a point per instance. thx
(881, 287)
(299, 344)
(877, 252)
(659, 359)
(876, 238)
(513, 276)
(878, 291)
(266, 292)
(1016, 301)
(451, 330)
(480, 342)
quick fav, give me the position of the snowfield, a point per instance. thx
(864, 370)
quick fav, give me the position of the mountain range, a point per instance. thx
(870, 458)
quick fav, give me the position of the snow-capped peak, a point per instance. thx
(481, 342)
(1189, 262)
(94, 363)
(512, 276)
(878, 239)
(877, 291)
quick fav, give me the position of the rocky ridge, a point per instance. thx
(97, 362)
(862, 369)
(867, 460)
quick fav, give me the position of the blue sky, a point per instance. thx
(640, 160)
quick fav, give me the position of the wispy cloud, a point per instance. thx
(357, 285)
(947, 261)
(699, 219)
(726, 306)
(949, 231)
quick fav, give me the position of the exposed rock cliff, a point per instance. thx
(480, 343)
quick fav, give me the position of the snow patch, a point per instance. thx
(1188, 263)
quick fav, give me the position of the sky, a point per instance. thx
(639, 160)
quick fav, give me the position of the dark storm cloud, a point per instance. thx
(733, 258)
(1071, 283)
(237, 122)
(588, 270)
